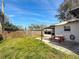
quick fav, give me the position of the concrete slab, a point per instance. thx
(66, 47)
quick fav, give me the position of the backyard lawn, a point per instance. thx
(29, 48)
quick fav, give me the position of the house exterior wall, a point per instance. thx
(59, 30)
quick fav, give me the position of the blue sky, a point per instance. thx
(26, 12)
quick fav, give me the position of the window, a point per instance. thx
(47, 32)
(67, 28)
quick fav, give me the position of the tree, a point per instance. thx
(10, 27)
(63, 11)
(36, 27)
(7, 26)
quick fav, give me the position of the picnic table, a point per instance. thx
(59, 38)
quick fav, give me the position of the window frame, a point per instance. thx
(67, 28)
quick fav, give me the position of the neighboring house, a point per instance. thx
(49, 31)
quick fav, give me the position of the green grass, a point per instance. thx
(29, 48)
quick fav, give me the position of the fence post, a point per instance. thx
(41, 34)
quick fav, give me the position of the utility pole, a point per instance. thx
(2, 7)
(2, 21)
(25, 31)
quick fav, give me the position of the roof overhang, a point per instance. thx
(67, 22)
(61, 23)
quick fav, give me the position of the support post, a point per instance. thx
(41, 34)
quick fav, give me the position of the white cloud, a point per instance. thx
(11, 15)
(20, 11)
(47, 6)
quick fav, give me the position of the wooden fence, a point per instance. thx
(18, 34)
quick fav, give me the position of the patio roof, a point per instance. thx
(75, 12)
(50, 27)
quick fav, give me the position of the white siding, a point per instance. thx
(75, 30)
(59, 30)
